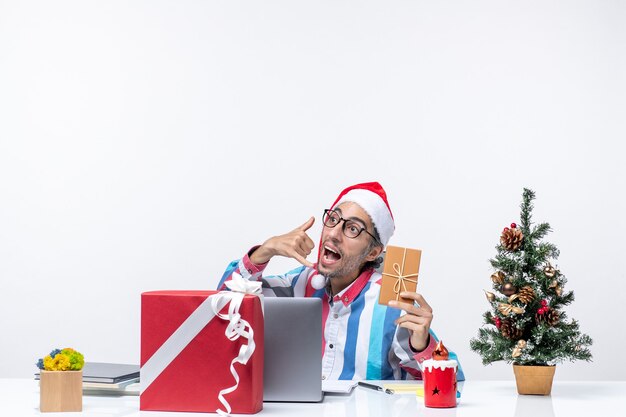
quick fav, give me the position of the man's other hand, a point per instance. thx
(417, 318)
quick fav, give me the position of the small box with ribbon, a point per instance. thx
(202, 351)
(400, 273)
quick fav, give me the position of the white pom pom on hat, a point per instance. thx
(373, 199)
(318, 281)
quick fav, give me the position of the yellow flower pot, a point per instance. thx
(534, 380)
(60, 391)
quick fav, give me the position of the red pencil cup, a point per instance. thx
(439, 383)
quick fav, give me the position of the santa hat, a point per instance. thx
(372, 198)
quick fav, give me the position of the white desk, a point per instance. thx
(20, 397)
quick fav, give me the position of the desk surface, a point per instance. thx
(20, 397)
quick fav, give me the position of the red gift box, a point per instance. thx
(186, 355)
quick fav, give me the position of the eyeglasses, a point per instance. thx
(350, 228)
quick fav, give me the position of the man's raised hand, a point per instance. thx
(295, 244)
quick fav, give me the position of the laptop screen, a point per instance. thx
(293, 349)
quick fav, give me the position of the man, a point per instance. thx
(362, 339)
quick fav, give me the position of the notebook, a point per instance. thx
(111, 386)
(338, 386)
(109, 372)
(293, 349)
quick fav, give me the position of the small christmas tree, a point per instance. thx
(526, 323)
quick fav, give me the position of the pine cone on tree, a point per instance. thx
(549, 316)
(526, 294)
(511, 239)
(509, 330)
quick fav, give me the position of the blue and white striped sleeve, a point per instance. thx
(291, 284)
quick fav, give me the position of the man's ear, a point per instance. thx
(374, 253)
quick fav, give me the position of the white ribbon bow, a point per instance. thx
(240, 284)
(237, 327)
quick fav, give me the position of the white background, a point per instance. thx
(145, 144)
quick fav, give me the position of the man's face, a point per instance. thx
(342, 256)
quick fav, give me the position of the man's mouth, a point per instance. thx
(330, 255)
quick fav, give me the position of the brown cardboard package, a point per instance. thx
(400, 273)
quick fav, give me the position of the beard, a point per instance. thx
(349, 266)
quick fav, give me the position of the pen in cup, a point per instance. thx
(375, 387)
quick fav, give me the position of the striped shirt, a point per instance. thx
(360, 338)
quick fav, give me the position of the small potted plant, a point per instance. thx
(526, 324)
(61, 381)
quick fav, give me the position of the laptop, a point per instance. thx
(293, 349)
